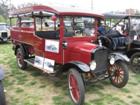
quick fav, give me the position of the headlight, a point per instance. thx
(93, 65)
(112, 60)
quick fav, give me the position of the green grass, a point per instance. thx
(60, 100)
(135, 102)
(32, 87)
(130, 97)
(108, 100)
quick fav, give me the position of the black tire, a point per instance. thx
(135, 62)
(77, 93)
(2, 95)
(20, 56)
(119, 74)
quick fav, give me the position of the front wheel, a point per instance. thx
(135, 63)
(76, 87)
(118, 73)
(2, 95)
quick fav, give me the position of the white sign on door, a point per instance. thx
(52, 46)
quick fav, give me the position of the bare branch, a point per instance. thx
(4, 2)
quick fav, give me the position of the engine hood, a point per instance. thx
(81, 46)
(3, 30)
(80, 51)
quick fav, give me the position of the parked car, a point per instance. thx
(124, 36)
(48, 48)
(2, 95)
(4, 32)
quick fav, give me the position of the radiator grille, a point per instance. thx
(101, 58)
(4, 34)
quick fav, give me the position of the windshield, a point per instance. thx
(135, 25)
(79, 26)
(118, 25)
(3, 27)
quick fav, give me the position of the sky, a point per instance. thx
(98, 5)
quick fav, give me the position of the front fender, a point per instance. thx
(76, 64)
(1, 74)
(120, 56)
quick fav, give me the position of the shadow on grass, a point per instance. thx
(5, 43)
(61, 84)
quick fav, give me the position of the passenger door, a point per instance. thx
(48, 36)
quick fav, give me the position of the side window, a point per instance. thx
(14, 22)
(27, 23)
(46, 24)
(18, 22)
(47, 28)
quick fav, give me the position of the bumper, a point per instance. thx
(3, 39)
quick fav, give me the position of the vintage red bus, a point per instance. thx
(48, 38)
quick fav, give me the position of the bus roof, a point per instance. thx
(32, 10)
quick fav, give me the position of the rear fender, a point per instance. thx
(82, 67)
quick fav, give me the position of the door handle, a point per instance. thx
(64, 44)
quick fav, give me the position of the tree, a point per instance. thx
(4, 8)
(2, 19)
(28, 5)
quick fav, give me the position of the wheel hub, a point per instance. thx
(118, 74)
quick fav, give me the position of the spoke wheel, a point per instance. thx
(119, 74)
(76, 87)
(20, 59)
(135, 63)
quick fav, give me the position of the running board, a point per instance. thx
(31, 62)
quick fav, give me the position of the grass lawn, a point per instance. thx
(32, 87)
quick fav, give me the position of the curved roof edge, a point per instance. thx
(55, 10)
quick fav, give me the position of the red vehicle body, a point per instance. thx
(46, 37)
(38, 43)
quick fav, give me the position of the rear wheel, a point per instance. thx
(119, 74)
(135, 63)
(76, 87)
(20, 59)
(2, 95)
